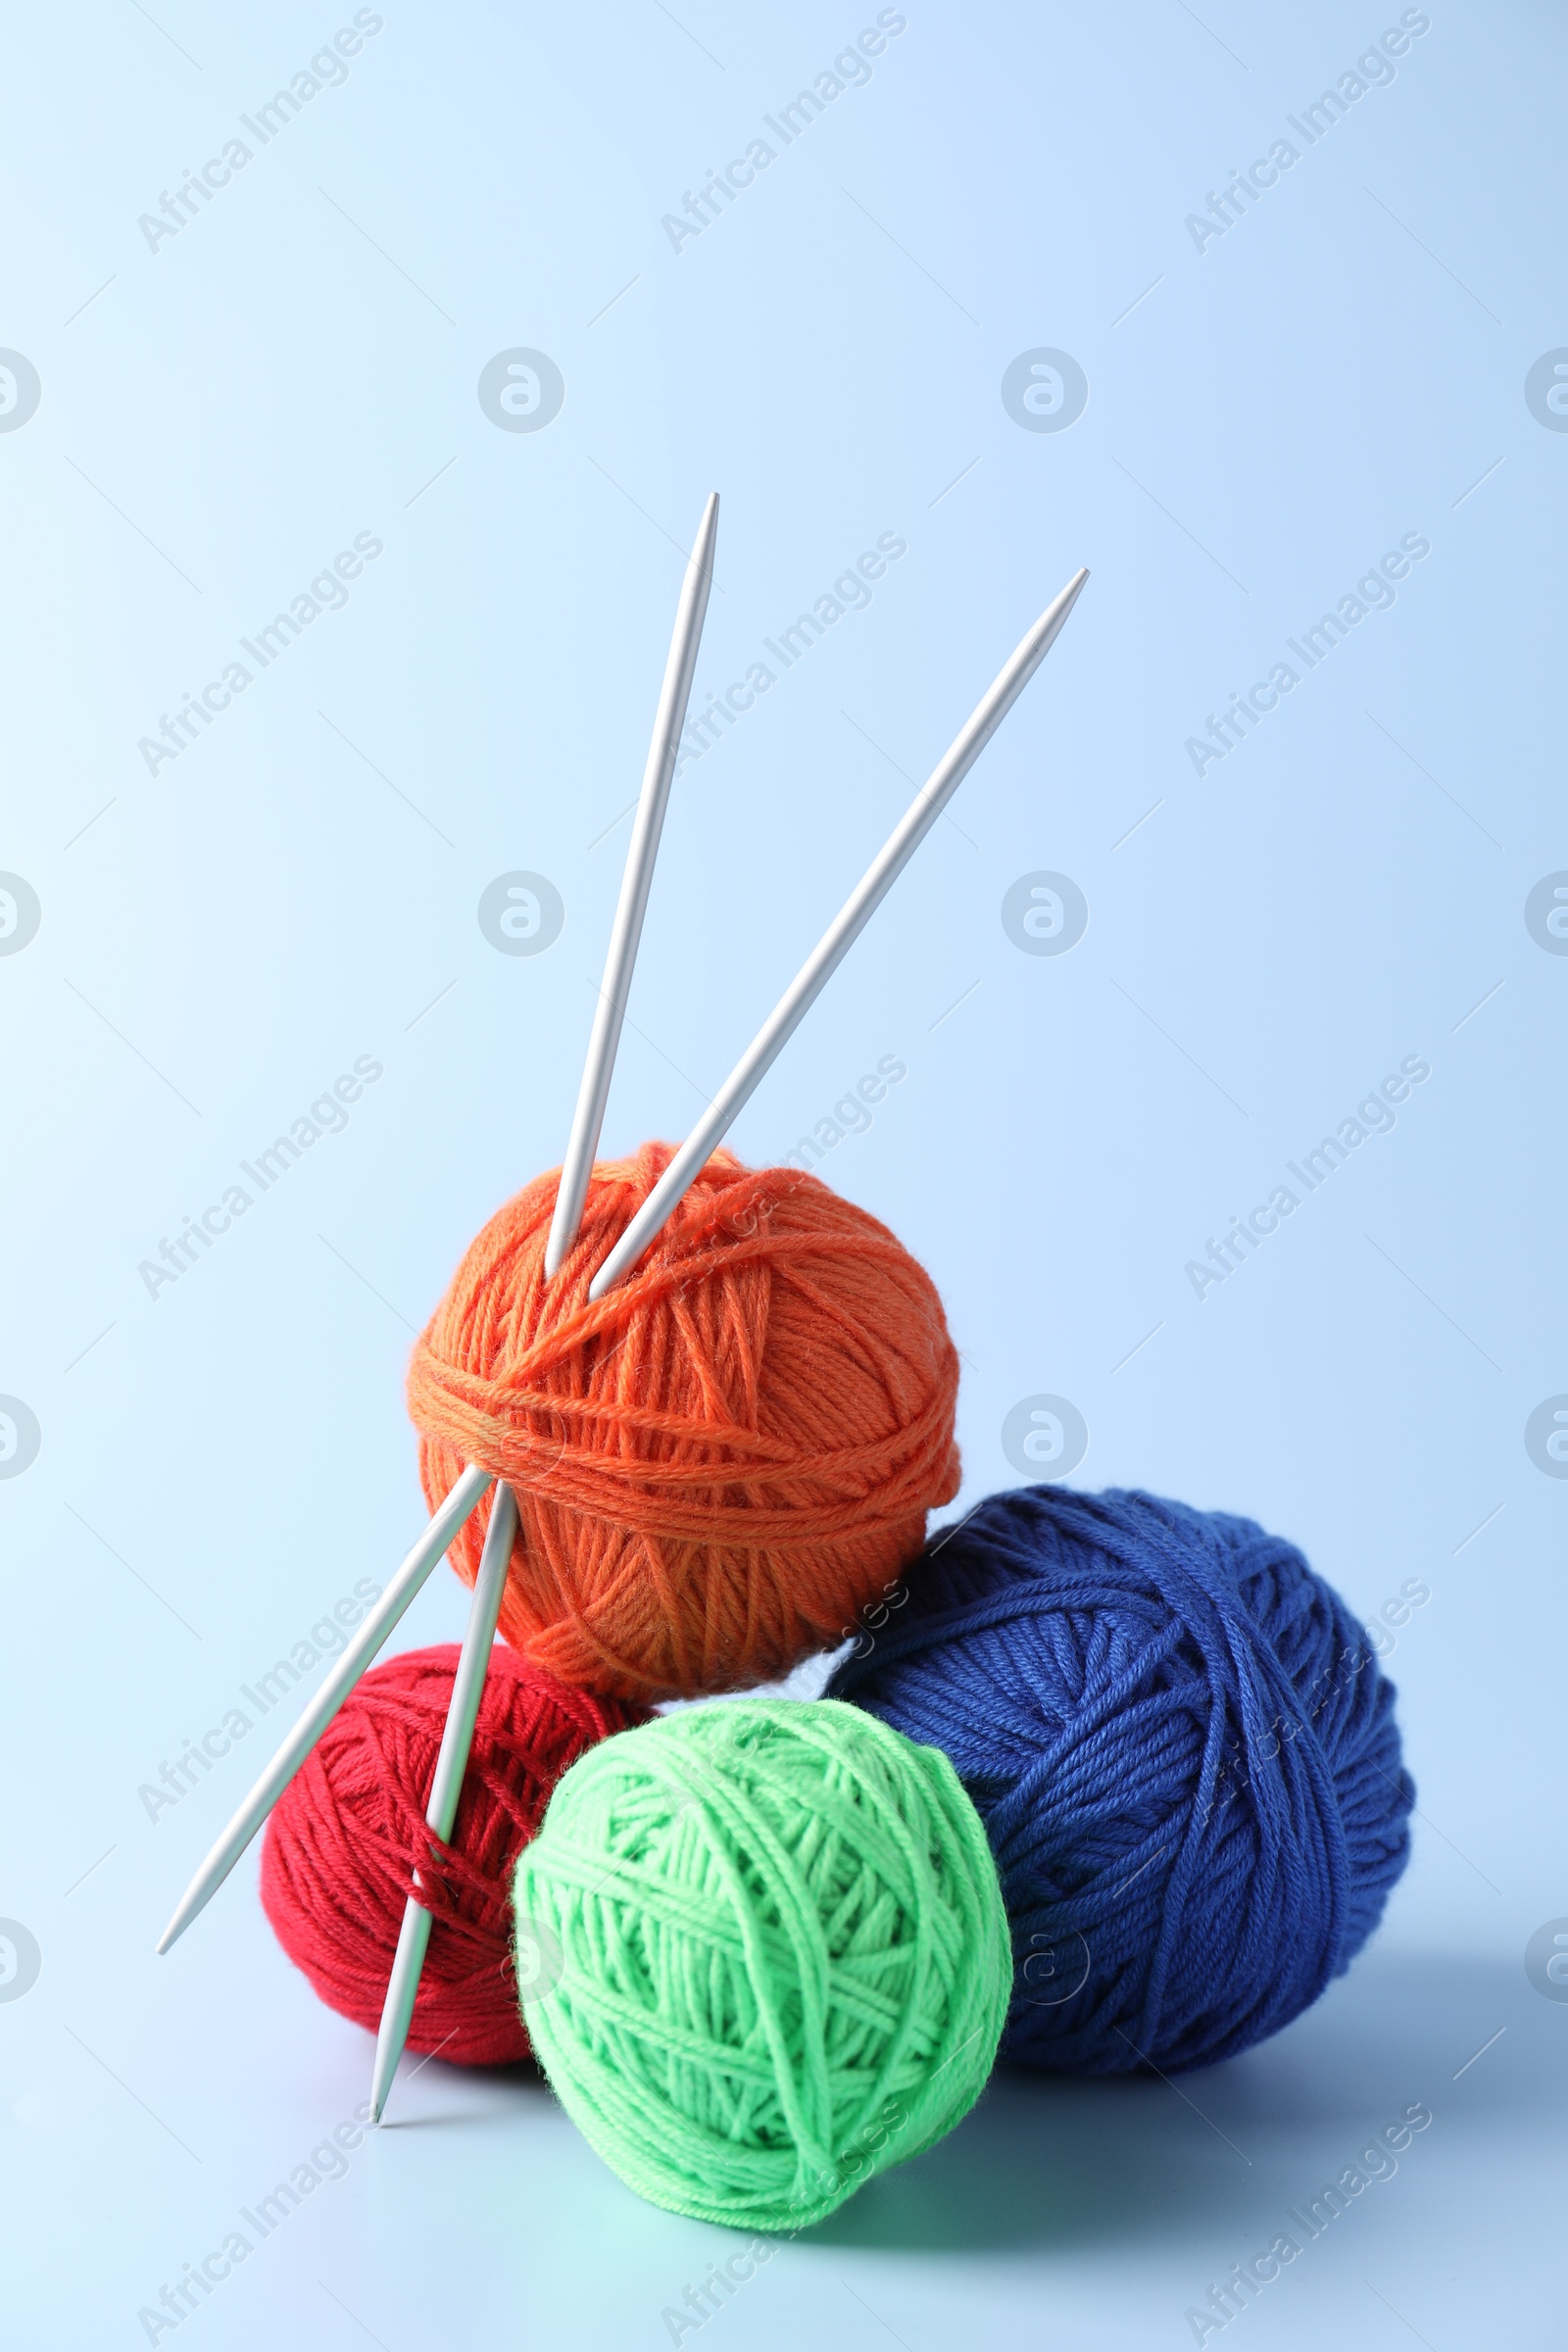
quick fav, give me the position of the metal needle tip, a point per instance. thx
(840, 936)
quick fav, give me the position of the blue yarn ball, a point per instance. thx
(1185, 1755)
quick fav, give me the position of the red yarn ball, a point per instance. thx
(347, 1832)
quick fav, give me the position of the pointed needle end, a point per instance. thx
(383, 2075)
(1048, 628)
(172, 1934)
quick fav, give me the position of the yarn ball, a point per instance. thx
(1185, 1755)
(345, 1838)
(780, 1955)
(722, 1460)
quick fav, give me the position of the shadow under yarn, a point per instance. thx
(1185, 1755)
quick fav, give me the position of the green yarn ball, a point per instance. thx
(783, 1957)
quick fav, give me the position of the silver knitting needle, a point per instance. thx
(625, 935)
(446, 1787)
(359, 1653)
(469, 1490)
(635, 883)
(836, 942)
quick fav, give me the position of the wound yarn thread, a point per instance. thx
(782, 1955)
(344, 1840)
(1185, 1754)
(723, 1459)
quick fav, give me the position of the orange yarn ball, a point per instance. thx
(723, 1459)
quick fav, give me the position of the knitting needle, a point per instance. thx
(662, 1201)
(836, 942)
(573, 1192)
(446, 1787)
(361, 1653)
(458, 1505)
(635, 883)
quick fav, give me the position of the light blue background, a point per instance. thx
(218, 941)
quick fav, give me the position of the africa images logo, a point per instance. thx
(20, 915)
(521, 390)
(522, 913)
(19, 1437)
(20, 1960)
(1045, 1438)
(20, 390)
(1044, 390)
(1546, 390)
